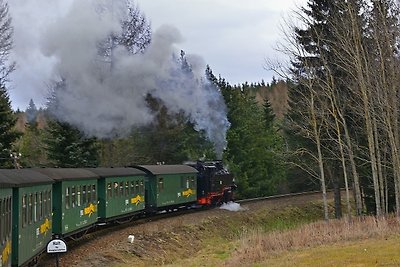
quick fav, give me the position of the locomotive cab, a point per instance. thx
(215, 184)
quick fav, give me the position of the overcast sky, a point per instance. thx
(233, 36)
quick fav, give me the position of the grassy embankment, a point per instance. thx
(275, 237)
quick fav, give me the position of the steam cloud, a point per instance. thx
(104, 100)
(232, 206)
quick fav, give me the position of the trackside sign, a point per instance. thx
(56, 246)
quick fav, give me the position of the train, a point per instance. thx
(39, 204)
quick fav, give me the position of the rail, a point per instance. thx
(283, 196)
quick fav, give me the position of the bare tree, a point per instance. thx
(135, 33)
(6, 32)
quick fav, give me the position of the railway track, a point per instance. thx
(310, 193)
(162, 220)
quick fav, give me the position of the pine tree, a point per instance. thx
(68, 147)
(254, 152)
(268, 113)
(8, 135)
(31, 112)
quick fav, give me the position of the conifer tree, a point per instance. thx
(68, 147)
(31, 112)
(8, 134)
(268, 113)
(254, 152)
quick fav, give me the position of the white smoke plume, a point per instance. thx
(104, 100)
(232, 206)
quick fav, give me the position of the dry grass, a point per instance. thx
(257, 245)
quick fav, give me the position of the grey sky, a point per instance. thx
(233, 36)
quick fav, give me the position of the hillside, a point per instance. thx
(214, 235)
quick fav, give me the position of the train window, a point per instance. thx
(6, 223)
(184, 182)
(24, 210)
(5, 204)
(1, 221)
(126, 188)
(8, 219)
(137, 187)
(141, 187)
(121, 188)
(109, 190)
(160, 184)
(45, 212)
(94, 196)
(30, 208)
(9, 216)
(5, 218)
(41, 205)
(67, 197)
(35, 209)
(73, 198)
(132, 187)
(84, 200)
(115, 189)
(49, 202)
(89, 192)
(193, 182)
(78, 194)
(44, 203)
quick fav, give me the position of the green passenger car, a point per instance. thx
(74, 200)
(169, 186)
(5, 221)
(31, 214)
(121, 192)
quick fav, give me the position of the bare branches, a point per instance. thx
(6, 32)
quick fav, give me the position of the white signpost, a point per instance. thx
(57, 246)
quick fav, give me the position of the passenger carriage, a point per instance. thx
(121, 193)
(74, 200)
(31, 214)
(5, 220)
(169, 186)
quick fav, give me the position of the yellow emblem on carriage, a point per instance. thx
(89, 210)
(136, 200)
(44, 227)
(6, 253)
(188, 193)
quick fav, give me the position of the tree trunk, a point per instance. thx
(320, 158)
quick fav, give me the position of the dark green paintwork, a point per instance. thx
(32, 238)
(172, 191)
(117, 205)
(5, 244)
(69, 220)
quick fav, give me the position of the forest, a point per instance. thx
(330, 121)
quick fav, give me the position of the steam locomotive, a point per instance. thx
(37, 204)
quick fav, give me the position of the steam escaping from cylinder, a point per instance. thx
(232, 206)
(108, 98)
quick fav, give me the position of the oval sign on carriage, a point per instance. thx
(56, 246)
